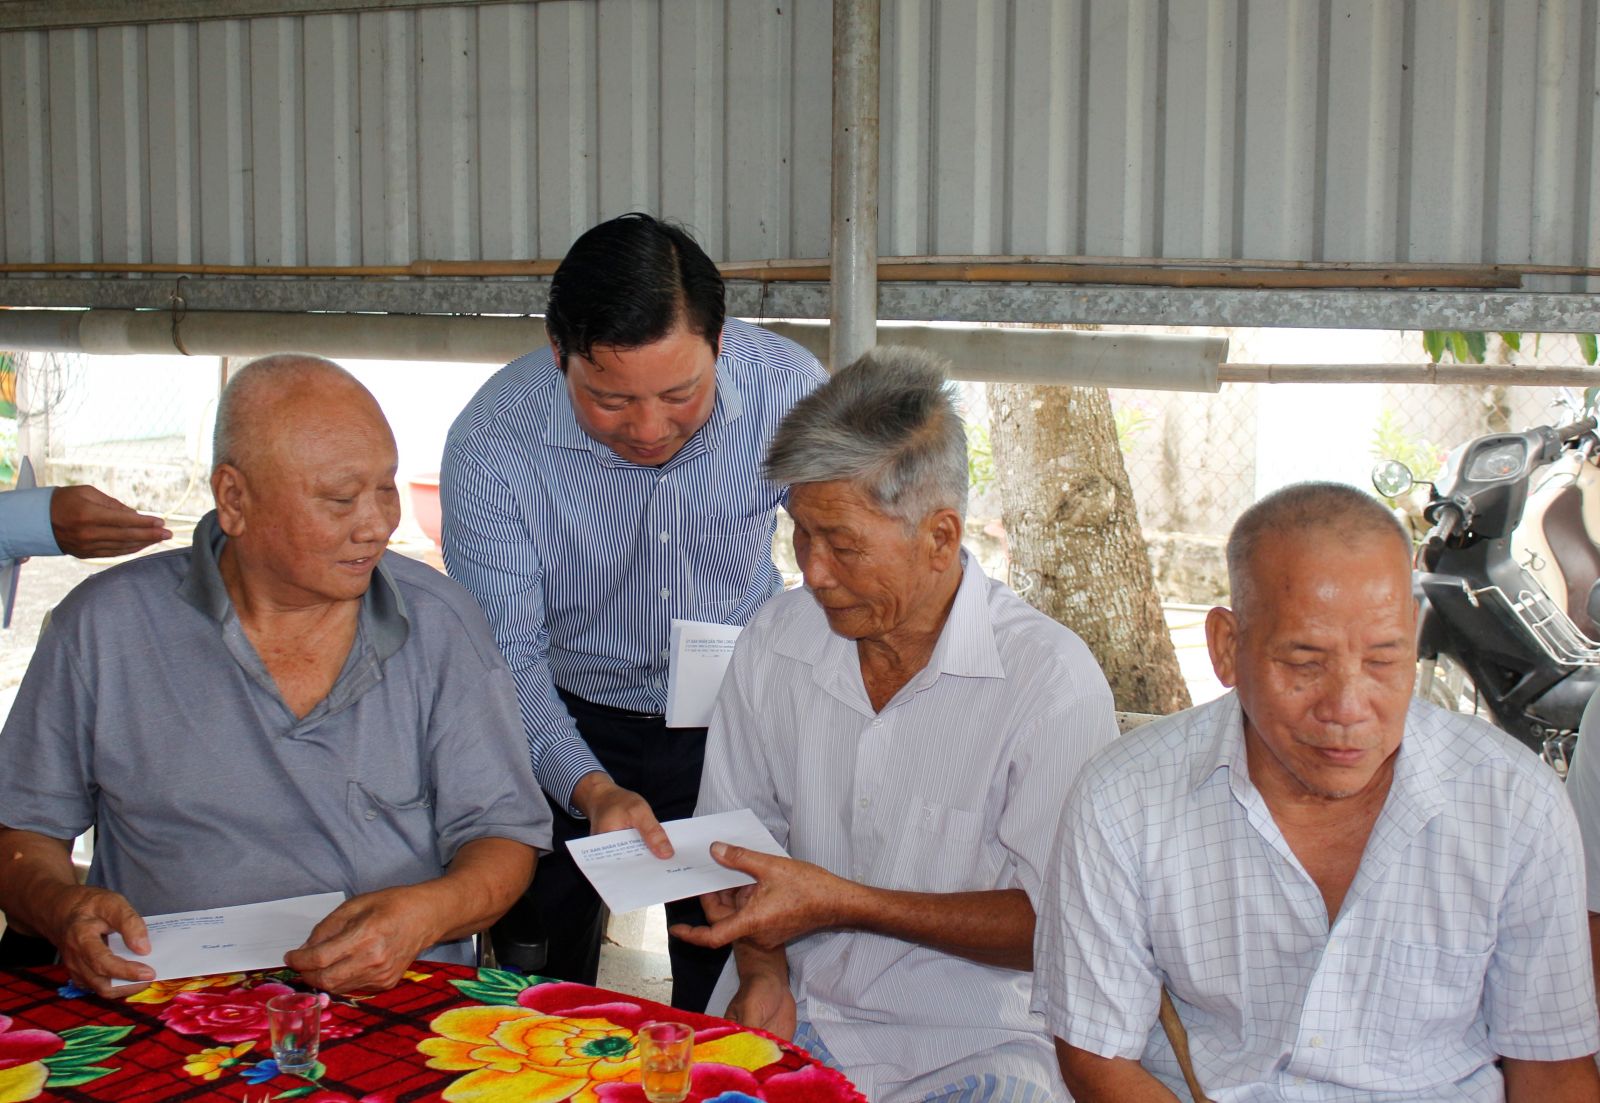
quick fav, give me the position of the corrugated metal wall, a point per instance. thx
(1453, 130)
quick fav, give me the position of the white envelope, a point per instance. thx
(698, 654)
(627, 876)
(228, 940)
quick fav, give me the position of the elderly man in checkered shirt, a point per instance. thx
(1349, 894)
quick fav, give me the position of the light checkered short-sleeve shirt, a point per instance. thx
(1462, 937)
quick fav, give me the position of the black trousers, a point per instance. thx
(661, 764)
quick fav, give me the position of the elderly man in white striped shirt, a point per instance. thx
(906, 727)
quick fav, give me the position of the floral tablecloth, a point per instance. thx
(447, 1032)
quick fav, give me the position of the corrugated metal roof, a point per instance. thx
(1448, 130)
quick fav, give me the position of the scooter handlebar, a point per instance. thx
(1575, 430)
(1448, 524)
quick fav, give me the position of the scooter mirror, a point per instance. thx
(1392, 478)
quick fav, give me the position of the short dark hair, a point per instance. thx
(626, 282)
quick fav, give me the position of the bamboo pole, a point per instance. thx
(1506, 375)
(894, 271)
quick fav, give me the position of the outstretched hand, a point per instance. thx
(790, 899)
(610, 807)
(88, 524)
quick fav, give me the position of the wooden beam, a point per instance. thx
(49, 15)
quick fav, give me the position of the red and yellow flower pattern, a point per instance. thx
(554, 1044)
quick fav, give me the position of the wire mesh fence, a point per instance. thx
(140, 427)
(136, 426)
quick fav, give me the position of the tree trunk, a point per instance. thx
(1076, 550)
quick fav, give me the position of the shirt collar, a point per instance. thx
(1417, 788)
(383, 608)
(563, 431)
(965, 649)
(966, 646)
(1224, 748)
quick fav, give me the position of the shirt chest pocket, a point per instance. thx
(391, 785)
(1422, 995)
(725, 555)
(938, 849)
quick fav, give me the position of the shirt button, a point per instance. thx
(372, 813)
(666, 653)
(665, 536)
(877, 722)
(665, 592)
(1316, 1043)
(865, 802)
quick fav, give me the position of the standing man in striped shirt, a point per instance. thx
(906, 727)
(593, 491)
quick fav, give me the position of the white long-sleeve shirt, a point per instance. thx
(955, 786)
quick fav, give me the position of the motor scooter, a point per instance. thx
(1498, 583)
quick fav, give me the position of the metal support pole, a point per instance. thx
(854, 240)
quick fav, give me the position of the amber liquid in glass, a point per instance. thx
(665, 1078)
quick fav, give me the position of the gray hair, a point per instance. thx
(887, 423)
(1338, 511)
(251, 388)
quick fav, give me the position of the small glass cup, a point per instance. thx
(666, 1054)
(296, 1024)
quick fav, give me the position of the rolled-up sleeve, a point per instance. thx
(1095, 977)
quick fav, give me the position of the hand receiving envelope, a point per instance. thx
(627, 876)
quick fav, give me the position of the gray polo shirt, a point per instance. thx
(147, 713)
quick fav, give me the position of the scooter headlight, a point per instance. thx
(1500, 462)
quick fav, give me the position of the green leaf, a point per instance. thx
(7, 408)
(1586, 342)
(74, 1076)
(296, 1093)
(1589, 396)
(87, 1035)
(495, 986)
(1433, 343)
(87, 1055)
(1477, 344)
(1512, 339)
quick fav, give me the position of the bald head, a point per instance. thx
(1335, 513)
(268, 395)
(304, 479)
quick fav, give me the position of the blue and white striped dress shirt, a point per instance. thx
(581, 558)
(954, 786)
(1462, 937)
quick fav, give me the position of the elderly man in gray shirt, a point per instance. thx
(282, 709)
